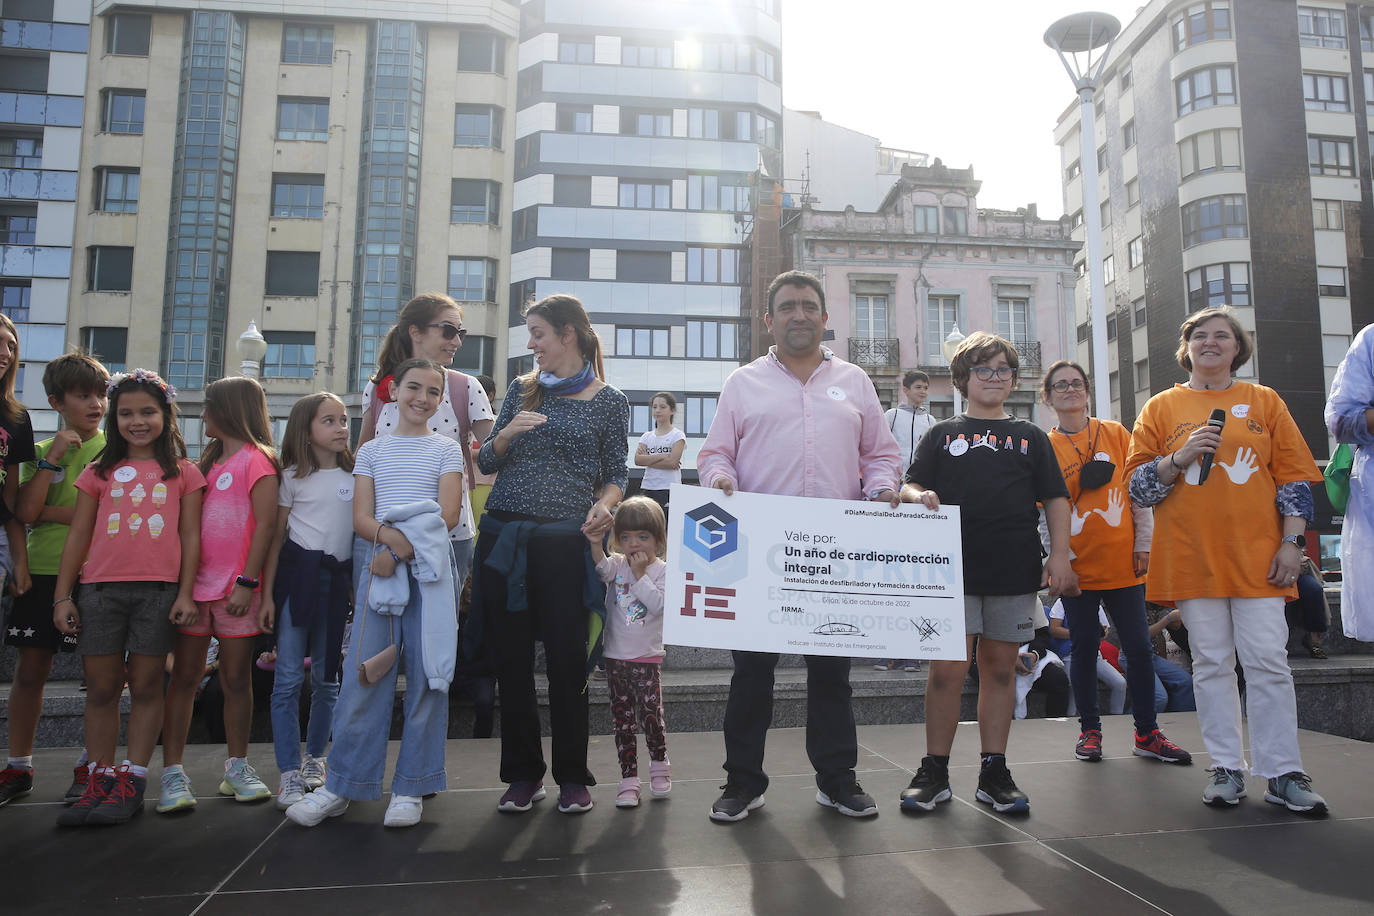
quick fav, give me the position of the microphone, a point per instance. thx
(1216, 420)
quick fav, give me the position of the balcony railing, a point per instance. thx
(1029, 353)
(876, 352)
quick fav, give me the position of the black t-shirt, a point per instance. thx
(995, 471)
(16, 447)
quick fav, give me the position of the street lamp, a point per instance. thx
(1083, 33)
(252, 348)
(948, 346)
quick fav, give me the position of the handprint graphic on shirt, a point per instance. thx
(1244, 468)
(1115, 507)
(1076, 521)
(1193, 473)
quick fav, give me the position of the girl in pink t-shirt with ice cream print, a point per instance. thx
(237, 523)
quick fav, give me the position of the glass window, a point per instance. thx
(1202, 22)
(956, 221)
(1132, 193)
(1328, 214)
(1219, 284)
(117, 190)
(477, 125)
(14, 299)
(18, 223)
(703, 123)
(576, 51)
(1106, 210)
(1204, 88)
(1212, 218)
(123, 111)
(298, 196)
(570, 264)
(481, 52)
(1325, 92)
(293, 273)
(1013, 319)
(1331, 281)
(109, 269)
(1138, 313)
(302, 119)
(1209, 151)
(576, 119)
(646, 123)
(698, 413)
(1135, 253)
(1142, 375)
(646, 195)
(307, 44)
(477, 355)
(1320, 27)
(646, 55)
(127, 33)
(1102, 159)
(712, 339)
(475, 201)
(870, 317)
(766, 131)
(644, 266)
(1366, 32)
(1073, 171)
(926, 218)
(290, 354)
(1331, 156)
(640, 418)
(1128, 134)
(942, 314)
(1111, 326)
(21, 152)
(472, 279)
(1125, 80)
(641, 341)
(109, 345)
(1109, 269)
(570, 191)
(712, 265)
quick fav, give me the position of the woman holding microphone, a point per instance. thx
(1229, 477)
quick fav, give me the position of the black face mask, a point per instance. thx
(1096, 474)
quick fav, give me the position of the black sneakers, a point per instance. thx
(850, 800)
(15, 782)
(96, 790)
(123, 800)
(735, 803)
(996, 788)
(928, 788)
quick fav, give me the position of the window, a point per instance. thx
(1135, 253)
(644, 266)
(302, 119)
(1084, 330)
(1331, 156)
(764, 64)
(766, 131)
(477, 356)
(1142, 375)
(526, 151)
(1138, 313)
(481, 52)
(576, 51)
(646, 195)
(472, 279)
(1319, 27)
(1114, 386)
(1111, 325)
(712, 340)
(525, 223)
(127, 33)
(1128, 134)
(570, 264)
(1325, 92)
(1109, 269)
(699, 411)
(640, 418)
(570, 191)
(14, 299)
(1212, 218)
(475, 201)
(18, 224)
(21, 152)
(1202, 22)
(1013, 319)
(715, 192)
(293, 273)
(641, 341)
(1366, 32)
(298, 196)
(109, 345)
(122, 111)
(1076, 219)
(642, 123)
(109, 269)
(1099, 107)
(956, 221)
(927, 219)
(307, 44)
(703, 123)
(1204, 88)
(1102, 159)
(942, 314)
(1209, 151)
(1106, 211)
(477, 125)
(1331, 281)
(1132, 193)
(1125, 80)
(712, 265)
(1073, 171)
(646, 55)
(870, 317)
(1328, 214)
(290, 354)
(1219, 284)
(117, 190)
(574, 119)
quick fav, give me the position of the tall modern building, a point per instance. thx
(641, 130)
(241, 163)
(1235, 169)
(42, 79)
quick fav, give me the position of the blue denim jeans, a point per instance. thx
(1125, 608)
(1173, 685)
(294, 644)
(362, 720)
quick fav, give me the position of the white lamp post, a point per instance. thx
(1083, 33)
(252, 348)
(948, 346)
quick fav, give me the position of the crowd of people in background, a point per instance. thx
(1081, 548)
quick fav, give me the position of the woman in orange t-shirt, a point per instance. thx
(1228, 542)
(1110, 544)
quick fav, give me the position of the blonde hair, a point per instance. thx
(1245, 346)
(640, 513)
(239, 408)
(295, 442)
(561, 311)
(11, 411)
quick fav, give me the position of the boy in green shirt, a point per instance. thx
(75, 384)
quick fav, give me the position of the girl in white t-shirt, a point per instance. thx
(660, 451)
(306, 585)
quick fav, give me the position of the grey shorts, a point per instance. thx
(120, 617)
(1005, 618)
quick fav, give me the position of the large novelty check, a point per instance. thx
(813, 576)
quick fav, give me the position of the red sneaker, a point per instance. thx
(1089, 746)
(1161, 748)
(81, 775)
(15, 782)
(96, 790)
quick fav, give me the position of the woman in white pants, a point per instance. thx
(1229, 477)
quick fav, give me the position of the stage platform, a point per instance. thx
(1124, 836)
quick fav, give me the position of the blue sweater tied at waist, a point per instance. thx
(305, 578)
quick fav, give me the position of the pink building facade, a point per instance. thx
(899, 280)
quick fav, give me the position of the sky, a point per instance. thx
(969, 81)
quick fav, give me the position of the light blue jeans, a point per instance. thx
(362, 720)
(294, 644)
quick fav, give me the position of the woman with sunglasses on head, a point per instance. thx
(1109, 540)
(430, 326)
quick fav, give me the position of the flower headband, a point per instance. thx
(146, 376)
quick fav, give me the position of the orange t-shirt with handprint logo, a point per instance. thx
(1101, 528)
(1217, 539)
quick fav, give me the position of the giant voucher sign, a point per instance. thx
(813, 576)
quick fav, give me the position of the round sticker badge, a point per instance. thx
(225, 481)
(836, 393)
(958, 447)
(1102, 456)
(1240, 410)
(125, 474)
(346, 494)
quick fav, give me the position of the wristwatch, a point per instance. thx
(46, 465)
(1297, 540)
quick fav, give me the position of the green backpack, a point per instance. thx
(1337, 476)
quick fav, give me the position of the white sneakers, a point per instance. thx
(403, 811)
(315, 807)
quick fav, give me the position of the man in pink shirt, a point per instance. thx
(798, 421)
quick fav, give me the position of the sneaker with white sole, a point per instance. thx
(315, 807)
(735, 803)
(1226, 788)
(313, 771)
(403, 811)
(1294, 791)
(292, 789)
(176, 793)
(928, 788)
(521, 795)
(242, 782)
(627, 796)
(849, 799)
(660, 778)
(573, 798)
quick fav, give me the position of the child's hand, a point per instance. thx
(639, 563)
(184, 612)
(382, 564)
(240, 600)
(267, 614)
(65, 439)
(66, 616)
(20, 581)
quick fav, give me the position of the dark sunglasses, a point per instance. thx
(451, 331)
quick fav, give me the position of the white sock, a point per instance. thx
(140, 772)
(85, 758)
(173, 768)
(21, 763)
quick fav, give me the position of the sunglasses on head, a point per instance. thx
(451, 331)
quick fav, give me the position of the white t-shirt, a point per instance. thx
(407, 468)
(321, 507)
(661, 478)
(908, 425)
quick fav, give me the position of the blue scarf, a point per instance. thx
(571, 385)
